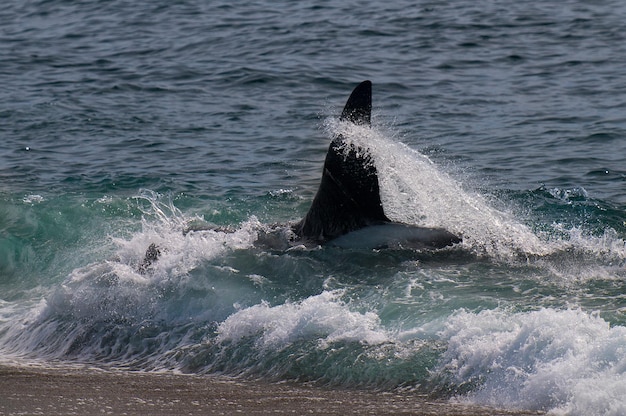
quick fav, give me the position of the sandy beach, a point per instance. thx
(63, 391)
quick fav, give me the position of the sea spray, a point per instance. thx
(415, 191)
(181, 250)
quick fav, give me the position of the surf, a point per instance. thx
(362, 310)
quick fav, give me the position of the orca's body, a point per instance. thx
(347, 210)
(348, 199)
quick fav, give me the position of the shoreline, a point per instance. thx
(65, 391)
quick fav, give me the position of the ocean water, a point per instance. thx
(122, 123)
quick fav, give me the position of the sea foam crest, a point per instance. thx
(164, 225)
(562, 361)
(323, 317)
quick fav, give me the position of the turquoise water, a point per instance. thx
(122, 123)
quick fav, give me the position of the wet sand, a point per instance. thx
(63, 391)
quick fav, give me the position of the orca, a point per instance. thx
(347, 210)
(348, 199)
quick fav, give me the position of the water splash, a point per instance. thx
(164, 225)
(415, 191)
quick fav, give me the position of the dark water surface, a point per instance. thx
(502, 121)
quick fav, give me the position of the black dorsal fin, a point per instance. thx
(348, 198)
(358, 108)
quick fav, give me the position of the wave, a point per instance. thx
(505, 319)
(565, 361)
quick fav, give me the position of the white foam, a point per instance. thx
(33, 199)
(114, 290)
(562, 361)
(323, 317)
(163, 225)
(415, 191)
